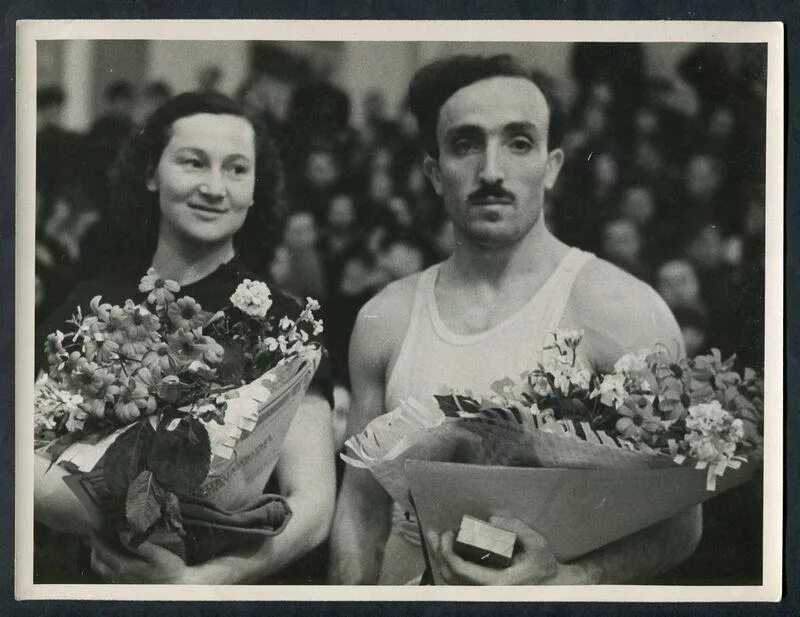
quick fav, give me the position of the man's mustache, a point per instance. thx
(491, 192)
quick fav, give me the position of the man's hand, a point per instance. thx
(533, 564)
(148, 563)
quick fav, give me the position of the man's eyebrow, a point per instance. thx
(463, 130)
(521, 127)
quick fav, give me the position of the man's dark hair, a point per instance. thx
(435, 83)
(134, 207)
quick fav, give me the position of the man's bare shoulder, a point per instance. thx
(382, 322)
(601, 280)
(619, 312)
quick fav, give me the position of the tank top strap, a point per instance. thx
(404, 362)
(562, 284)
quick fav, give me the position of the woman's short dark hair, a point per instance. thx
(436, 82)
(135, 210)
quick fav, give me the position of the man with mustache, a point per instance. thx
(491, 141)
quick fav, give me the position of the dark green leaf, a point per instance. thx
(58, 446)
(231, 369)
(179, 458)
(468, 404)
(125, 458)
(447, 404)
(144, 503)
(172, 514)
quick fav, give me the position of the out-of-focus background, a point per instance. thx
(664, 175)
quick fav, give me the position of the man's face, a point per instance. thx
(494, 166)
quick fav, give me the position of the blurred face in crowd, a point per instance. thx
(381, 187)
(416, 180)
(300, 231)
(595, 120)
(494, 166)
(605, 170)
(321, 169)
(601, 93)
(646, 122)
(702, 177)
(341, 212)
(707, 250)
(205, 178)
(695, 340)
(638, 205)
(648, 157)
(400, 259)
(382, 160)
(401, 213)
(281, 267)
(621, 242)
(677, 283)
(720, 125)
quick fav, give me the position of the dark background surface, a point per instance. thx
(787, 11)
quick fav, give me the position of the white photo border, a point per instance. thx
(30, 31)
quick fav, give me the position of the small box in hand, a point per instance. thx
(483, 543)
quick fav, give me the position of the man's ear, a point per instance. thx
(555, 160)
(431, 168)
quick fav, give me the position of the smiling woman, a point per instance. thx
(205, 181)
(198, 176)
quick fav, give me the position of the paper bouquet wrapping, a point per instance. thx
(229, 508)
(162, 421)
(583, 459)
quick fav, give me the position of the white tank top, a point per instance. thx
(433, 359)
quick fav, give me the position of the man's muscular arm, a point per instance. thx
(363, 513)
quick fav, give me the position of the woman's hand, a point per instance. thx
(147, 563)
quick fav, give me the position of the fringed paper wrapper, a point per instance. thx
(580, 488)
(244, 452)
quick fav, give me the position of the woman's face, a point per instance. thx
(205, 178)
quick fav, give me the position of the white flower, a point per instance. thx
(271, 343)
(580, 378)
(43, 422)
(568, 338)
(252, 298)
(539, 383)
(714, 432)
(285, 323)
(560, 378)
(317, 327)
(311, 304)
(708, 418)
(611, 391)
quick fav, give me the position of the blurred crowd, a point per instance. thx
(665, 178)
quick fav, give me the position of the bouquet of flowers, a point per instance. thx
(577, 441)
(163, 416)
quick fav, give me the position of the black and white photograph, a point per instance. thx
(305, 308)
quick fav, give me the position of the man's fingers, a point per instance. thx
(463, 571)
(433, 540)
(150, 551)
